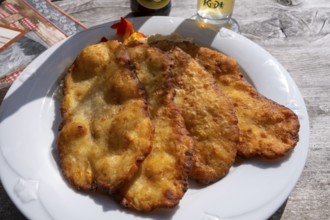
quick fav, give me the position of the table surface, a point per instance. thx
(297, 33)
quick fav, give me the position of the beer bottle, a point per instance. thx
(150, 7)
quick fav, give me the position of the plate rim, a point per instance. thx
(43, 58)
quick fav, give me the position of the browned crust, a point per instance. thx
(209, 117)
(275, 122)
(163, 176)
(188, 89)
(91, 132)
(267, 129)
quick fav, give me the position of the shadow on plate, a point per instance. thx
(262, 163)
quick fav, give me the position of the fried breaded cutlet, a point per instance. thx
(267, 129)
(163, 176)
(106, 131)
(209, 117)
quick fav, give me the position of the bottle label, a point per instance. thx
(153, 4)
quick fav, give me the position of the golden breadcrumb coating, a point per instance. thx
(162, 178)
(267, 129)
(106, 131)
(209, 118)
(139, 119)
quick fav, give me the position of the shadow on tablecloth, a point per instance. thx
(8, 210)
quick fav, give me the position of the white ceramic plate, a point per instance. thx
(30, 117)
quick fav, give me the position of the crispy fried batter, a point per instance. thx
(267, 129)
(162, 179)
(106, 131)
(200, 114)
(209, 118)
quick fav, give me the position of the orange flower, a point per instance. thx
(126, 30)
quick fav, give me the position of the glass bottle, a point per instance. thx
(150, 7)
